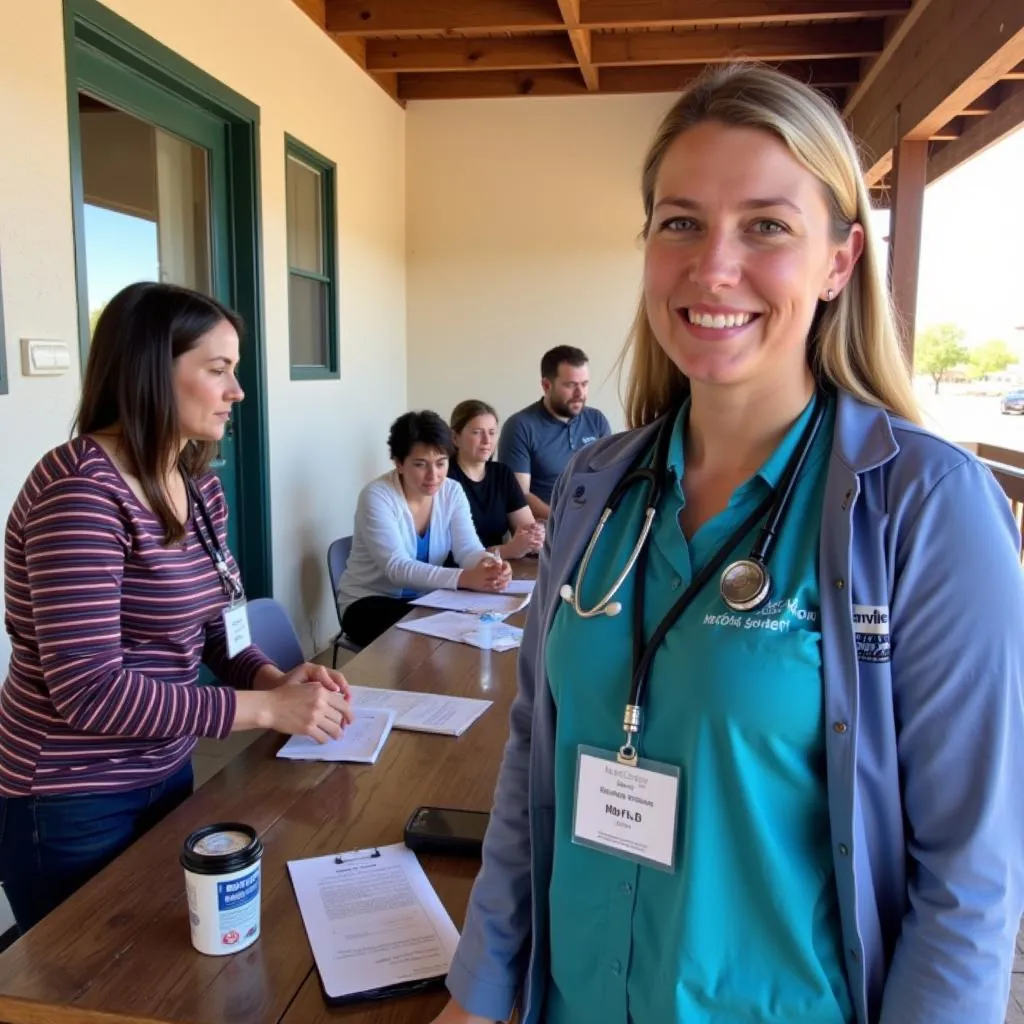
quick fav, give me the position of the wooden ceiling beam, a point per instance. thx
(694, 13)
(659, 78)
(458, 85)
(580, 39)
(1015, 73)
(952, 54)
(416, 17)
(492, 53)
(980, 134)
(556, 50)
(701, 47)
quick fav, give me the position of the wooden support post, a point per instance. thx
(909, 175)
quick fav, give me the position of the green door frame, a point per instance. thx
(101, 47)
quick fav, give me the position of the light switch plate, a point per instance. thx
(44, 358)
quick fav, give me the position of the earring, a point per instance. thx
(829, 295)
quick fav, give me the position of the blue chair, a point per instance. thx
(337, 559)
(273, 633)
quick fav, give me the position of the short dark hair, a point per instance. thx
(413, 428)
(553, 359)
(469, 410)
(128, 381)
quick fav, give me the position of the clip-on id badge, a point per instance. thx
(236, 614)
(236, 626)
(627, 810)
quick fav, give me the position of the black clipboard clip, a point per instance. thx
(368, 854)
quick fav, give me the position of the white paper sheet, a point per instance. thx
(520, 587)
(422, 712)
(465, 629)
(374, 920)
(361, 741)
(472, 602)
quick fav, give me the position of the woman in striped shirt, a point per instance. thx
(113, 598)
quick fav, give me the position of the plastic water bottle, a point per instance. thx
(486, 634)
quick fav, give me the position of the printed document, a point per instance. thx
(474, 603)
(465, 629)
(361, 741)
(374, 921)
(421, 712)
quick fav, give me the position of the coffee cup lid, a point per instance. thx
(221, 848)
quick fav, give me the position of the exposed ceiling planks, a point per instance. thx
(946, 71)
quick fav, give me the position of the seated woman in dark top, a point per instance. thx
(496, 500)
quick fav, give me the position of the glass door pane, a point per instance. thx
(147, 204)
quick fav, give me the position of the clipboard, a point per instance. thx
(376, 927)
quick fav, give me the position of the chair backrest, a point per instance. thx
(337, 559)
(273, 633)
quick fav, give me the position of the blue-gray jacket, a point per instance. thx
(925, 750)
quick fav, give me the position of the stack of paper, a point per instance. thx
(420, 712)
(374, 921)
(465, 629)
(360, 743)
(516, 597)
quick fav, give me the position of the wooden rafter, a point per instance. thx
(951, 55)
(554, 50)
(941, 72)
(830, 76)
(704, 46)
(420, 17)
(695, 13)
(580, 39)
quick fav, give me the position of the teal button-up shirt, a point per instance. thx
(746, 928)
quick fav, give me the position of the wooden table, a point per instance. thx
(119, 949)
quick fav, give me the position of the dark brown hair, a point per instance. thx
(413, 428)
(129, 383)
(469, 410)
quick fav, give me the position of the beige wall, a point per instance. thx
(325, 436)
(523, 231)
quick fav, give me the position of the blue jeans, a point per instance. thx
(52, 845)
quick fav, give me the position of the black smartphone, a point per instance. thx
(446, 830)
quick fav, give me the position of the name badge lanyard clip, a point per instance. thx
(232, 584)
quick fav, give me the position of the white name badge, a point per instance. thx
(236, 627)
(628, 811)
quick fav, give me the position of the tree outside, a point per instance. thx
(938, 349)
(992, 357)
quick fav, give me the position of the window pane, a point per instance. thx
(147, 206)
(305, 249)
(307, 321)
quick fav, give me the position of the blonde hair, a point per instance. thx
(853, 340)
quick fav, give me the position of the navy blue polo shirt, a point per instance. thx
(535, 442)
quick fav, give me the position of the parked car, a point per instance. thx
(1012, 402)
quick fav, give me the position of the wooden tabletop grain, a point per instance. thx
(119, 949)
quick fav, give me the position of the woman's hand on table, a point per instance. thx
(492, 573)
(526, 540)
(270, 677)
(296, 710)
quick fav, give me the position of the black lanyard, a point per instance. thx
(211, 544)
(777, 502)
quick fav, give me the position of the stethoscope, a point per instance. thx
(745, 584)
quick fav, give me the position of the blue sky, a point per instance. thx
(119, 249)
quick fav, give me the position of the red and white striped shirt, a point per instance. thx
(108, 627)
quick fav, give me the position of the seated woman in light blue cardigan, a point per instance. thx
(407, 522)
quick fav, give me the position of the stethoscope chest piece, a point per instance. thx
(745, 584)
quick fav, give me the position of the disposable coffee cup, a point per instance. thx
(222, 878)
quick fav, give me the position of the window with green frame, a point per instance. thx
(312, 281)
